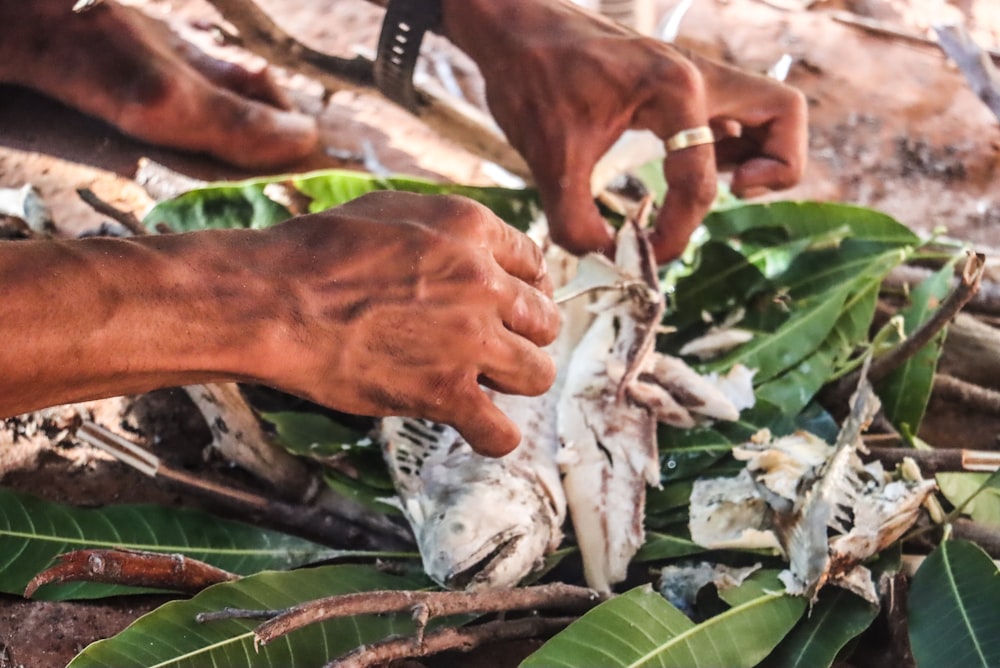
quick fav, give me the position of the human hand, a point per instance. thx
(564, 84)
(150, 84)
(406, 303)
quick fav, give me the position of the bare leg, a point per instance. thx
(117, 64)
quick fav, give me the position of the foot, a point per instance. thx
(130, 70)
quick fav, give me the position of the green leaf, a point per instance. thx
(244, 205)
(329, 188)
(659, 546)
(223, 206)
(793, 341)
(170, 636)
(906, 391)
(312, 434)
(809, 219)
(817, 639)
(33, 532)
(977, 494)
(953, 603)
(639, 628)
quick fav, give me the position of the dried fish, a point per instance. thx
(483, 523)
(826, 510)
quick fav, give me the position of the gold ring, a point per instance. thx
(691, 137)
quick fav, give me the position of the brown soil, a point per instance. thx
(893, 126)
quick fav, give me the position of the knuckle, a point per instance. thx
(699, 187)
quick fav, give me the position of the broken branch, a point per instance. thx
(969, 394)
(463, 639)
(939, 460)
(428, 604)
(973, 62)
(134, 568)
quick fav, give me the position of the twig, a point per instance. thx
(428, 604)
(463, 639)
(316, 522)
(974, 63)
(974, 396)
(126, 218)
(939, 460)
(883, 365)
(983, 535)
(460, 122)
(986, 300)
(886, 30)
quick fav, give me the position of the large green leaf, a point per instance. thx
(170, 636)
(809, 219)
(33, 532)
(953, 604)
(640, 628)
(835, 620)
(245, 204)
(905, 392)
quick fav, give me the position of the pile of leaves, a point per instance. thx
(803, 278)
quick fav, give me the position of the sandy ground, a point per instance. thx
(893, 126)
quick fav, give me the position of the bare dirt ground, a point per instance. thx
(893, 126)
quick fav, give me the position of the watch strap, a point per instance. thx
(403, 30)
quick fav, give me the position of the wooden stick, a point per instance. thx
(974, 63)
(939, 460)
(427, 604)
(463, 639)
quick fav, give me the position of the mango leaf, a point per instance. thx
(953, 603)
(244, 204)
(798, 220)
(640, 628)
(33, 532)
(312, 434)
(229, 205)
(170, 636)
(685, 453)
(329, 188)
(793, 341)
(794, 389)
(905, 392)
(836, 619)
(722, 279)
(660, 546)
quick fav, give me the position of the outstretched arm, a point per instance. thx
(392, 304)
(564, 83)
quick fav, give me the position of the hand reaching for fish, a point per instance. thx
(486, 523)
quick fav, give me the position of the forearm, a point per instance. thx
(99, 317)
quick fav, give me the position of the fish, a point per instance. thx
(588, 447)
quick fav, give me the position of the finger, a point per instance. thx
(518, 368)
(692, 184)
(574, 222)
(484, 427)
(518, 255)
(529, 313)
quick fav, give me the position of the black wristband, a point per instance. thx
(403, 30)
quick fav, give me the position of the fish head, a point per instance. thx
(486, 531)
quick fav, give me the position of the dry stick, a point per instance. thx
(984, 535)
(939, 460)
(886, 30)
(453, 119)
(986, 300)
(311, 521)
(126, 218)
(427, 604)
(974, 63)
(883, 365)
(975, 396)
(464, 639)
